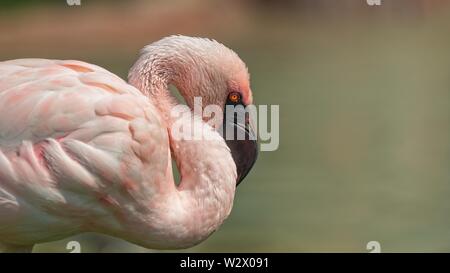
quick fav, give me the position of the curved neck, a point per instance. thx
(208, 173)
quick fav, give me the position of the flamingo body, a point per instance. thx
(71, 145)
(82, 150)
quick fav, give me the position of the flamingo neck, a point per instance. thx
(205, 193)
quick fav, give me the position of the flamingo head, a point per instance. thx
(221, 78)
(206, 69)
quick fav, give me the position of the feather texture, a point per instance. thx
(82, 150)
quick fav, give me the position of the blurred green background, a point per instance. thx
(364, 95)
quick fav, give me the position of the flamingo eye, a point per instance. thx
(234, 97)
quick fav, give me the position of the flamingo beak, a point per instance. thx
(243, 145)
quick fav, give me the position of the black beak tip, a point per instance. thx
(240, 137)
(244, 153)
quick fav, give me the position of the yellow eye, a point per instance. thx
(234, 97)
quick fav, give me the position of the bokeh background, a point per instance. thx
(364, 95)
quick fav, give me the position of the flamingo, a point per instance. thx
(81, 150)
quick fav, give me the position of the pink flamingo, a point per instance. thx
(81, 150)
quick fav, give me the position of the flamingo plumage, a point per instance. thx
(81, 150)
